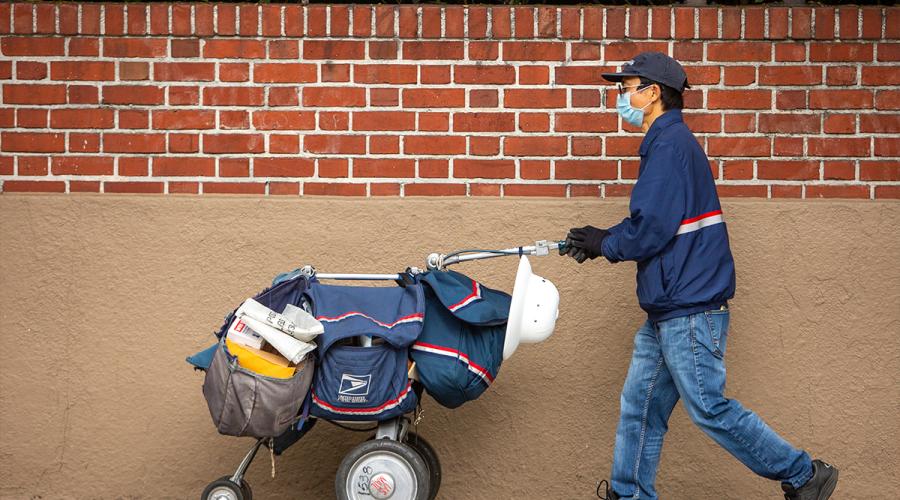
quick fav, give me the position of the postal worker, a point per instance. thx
(685, 276)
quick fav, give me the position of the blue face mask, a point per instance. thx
(630, 114)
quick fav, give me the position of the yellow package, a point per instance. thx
(257, 362)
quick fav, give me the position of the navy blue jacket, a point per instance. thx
(459, 352)
(676, 231)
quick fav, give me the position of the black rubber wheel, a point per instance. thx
(428, 454)
(224, 489)
(382, 468)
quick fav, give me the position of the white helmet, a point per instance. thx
(534, 309)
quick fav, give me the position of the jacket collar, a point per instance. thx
(467, 299)
(661, 122)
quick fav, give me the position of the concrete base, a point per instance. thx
(102, 297)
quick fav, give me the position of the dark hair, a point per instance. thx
(671, 98)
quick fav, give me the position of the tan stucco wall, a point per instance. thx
(102, 297)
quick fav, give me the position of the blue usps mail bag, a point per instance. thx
(459, 352)
(365, 383)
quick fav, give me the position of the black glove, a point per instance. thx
(584, 243)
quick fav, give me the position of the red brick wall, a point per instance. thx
(429, 100)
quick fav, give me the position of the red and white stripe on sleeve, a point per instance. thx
(700, 221)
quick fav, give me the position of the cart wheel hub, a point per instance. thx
(222, 494)
(381, 474)
(381, 485)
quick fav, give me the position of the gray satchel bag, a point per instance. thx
(244, 403)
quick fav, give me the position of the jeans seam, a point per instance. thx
(706, 409)
(712, 331)
(644, 411)
(805, 479)
(700, 385)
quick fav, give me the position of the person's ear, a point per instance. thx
(657, 93)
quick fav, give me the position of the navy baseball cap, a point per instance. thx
(654, 66)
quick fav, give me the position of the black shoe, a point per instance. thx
(819, 487)
(609, 495)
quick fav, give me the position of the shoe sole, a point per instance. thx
(829, 486)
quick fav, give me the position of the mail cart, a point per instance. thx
(379, 350)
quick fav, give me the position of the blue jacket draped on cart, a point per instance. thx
(459, 351)
(364, 383)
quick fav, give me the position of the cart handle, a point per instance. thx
(437, 261)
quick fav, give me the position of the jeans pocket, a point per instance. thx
(712, 330)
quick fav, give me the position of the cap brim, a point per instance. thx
(618, 77)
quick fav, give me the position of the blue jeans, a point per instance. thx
(685, 358)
